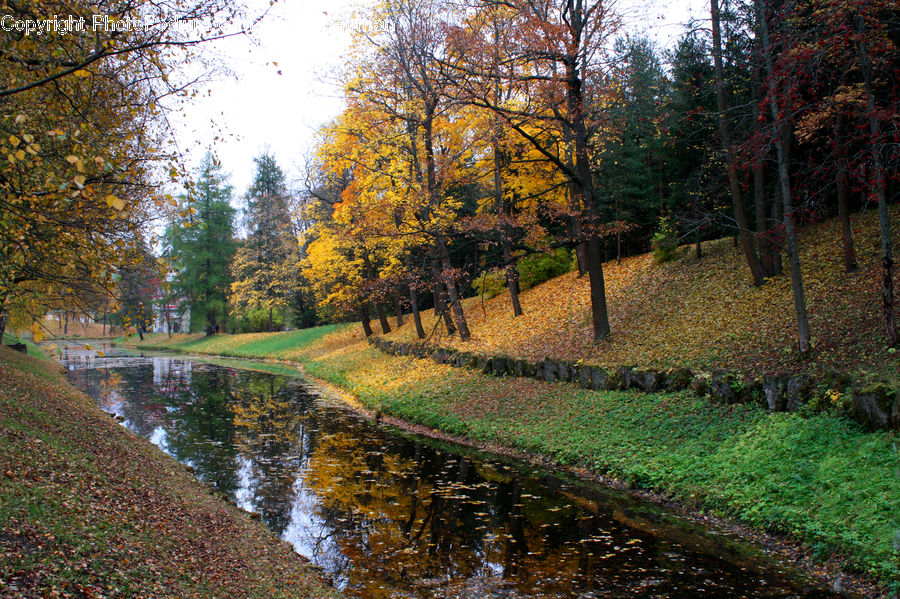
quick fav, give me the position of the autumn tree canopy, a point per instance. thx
(477, 134)
(81, 143)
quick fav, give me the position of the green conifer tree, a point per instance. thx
(201, 248)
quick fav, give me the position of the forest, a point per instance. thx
(482, 148)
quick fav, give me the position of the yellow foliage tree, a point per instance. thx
(79, 142)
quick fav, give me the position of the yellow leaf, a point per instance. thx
(14, 140)
(87, 346)
(20, 155)
(115, 202)
(100, 353)
(79, 181)
(72, 159)
(82, 73)
(36, 333)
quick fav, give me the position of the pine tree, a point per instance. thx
(201, 248)
(266, 266)
(631, 160)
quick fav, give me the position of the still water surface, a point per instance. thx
(387, 514)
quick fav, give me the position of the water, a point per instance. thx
(387, 514)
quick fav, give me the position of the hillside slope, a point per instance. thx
(700, 313)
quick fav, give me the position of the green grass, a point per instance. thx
(272, 346)
(33, 349)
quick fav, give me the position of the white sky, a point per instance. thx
(256, 108)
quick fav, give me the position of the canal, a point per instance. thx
(389, 514)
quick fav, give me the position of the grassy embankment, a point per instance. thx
(817, 477)
(90, 510)
(31, 348)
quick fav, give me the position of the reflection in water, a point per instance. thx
(391, 516)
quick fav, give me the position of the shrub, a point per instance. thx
(537, 268)
(490, 283)
(257, 321)
(533, 270)
(665, 241)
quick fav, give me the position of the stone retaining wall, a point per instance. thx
(875, 406)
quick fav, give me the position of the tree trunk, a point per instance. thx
(849, 251)
(583, 174)
(777, 216)
(271, 325)
(500, 205)
(577, 233)
(879, 182)
(575, 208)
(399, 304)
(414, 306)
(512, 280)
(365, 318)
(767, 249)
(843, 197)
(442, 258)
(803, 333)
(784, 180)
(594, 249)
(440, 297)
(382, 318)
(456, 308)
(599, 314)
(737, 200)
(66, 325)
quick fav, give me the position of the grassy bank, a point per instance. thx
(816, 477)
(31, 348)
(91, 510)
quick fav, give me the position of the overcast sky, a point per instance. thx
(281, 88)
